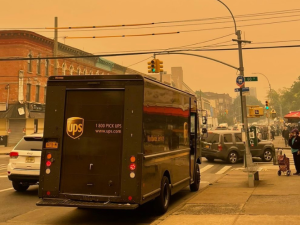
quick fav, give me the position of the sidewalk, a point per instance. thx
(5, 150)
(279, 142)
(229, 201)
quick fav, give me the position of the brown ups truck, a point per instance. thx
(117, 142)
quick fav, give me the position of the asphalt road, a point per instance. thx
(20, 208)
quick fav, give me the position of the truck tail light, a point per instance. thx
(132, 175)
(220, 148)
(132, 166)
(13, 155)
(48, 163)
(129, 198)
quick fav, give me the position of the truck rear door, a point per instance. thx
(92, 142)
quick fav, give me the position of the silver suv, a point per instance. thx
(228, 146)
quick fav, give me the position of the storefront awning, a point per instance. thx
(293, 115)
(16, 111)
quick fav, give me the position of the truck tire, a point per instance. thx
(196, 185)
(161, 203)
(19, 186)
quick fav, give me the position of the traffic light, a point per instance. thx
(267, 105)
(152, 66)
(159, 66)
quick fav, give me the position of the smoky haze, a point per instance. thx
(280, 65)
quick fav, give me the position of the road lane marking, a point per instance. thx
(206, 168)
(6, 189)
(223, 170)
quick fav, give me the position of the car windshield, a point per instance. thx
(30, 145)
(212, 138)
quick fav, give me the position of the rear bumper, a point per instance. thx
(24, 178)
(83, 204)
(212, 154)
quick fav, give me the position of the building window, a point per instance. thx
(28, 92)
(47, 67)
(38, 66)
(63, 68)
(29, 63)
(37, 93)
(71, 70)
(45, 94)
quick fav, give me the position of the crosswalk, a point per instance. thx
(211, 167)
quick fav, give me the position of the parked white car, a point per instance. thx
(25, 160)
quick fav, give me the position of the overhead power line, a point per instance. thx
(187, 31)
(290, 11)
(144, 53)
(103, 26)
(127, 35)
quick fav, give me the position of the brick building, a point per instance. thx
(23, 83)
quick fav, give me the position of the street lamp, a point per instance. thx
(248, 156)
(270, 94)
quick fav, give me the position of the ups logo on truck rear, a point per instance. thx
(75, 127)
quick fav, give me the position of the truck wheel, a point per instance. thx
(232, 157)
(267, 157)
(19, 186)
(196, 185)
(163, 200)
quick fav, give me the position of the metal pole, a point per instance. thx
(248, 158)
(55, 45)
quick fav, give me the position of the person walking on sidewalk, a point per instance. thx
(294, 143)
(286, 136)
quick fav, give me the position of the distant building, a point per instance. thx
(253, 92)
(221, 102)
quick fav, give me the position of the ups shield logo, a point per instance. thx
(75, 127)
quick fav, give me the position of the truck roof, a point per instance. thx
(92, 78)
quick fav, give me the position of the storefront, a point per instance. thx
(21, 119)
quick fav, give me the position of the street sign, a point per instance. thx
(251, 78)
(245, 89)
(240, 81)
(256, 111)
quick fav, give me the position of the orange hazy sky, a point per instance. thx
(280, 65)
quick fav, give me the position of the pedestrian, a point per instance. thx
(273, 134)
(286, 136)
(294, 143)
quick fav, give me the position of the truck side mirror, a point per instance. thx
(204, 130)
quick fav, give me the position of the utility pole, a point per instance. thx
(55, 46)
(248, 156)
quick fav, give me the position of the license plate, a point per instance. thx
(52, 144)
(207, 146)
(29, 159)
